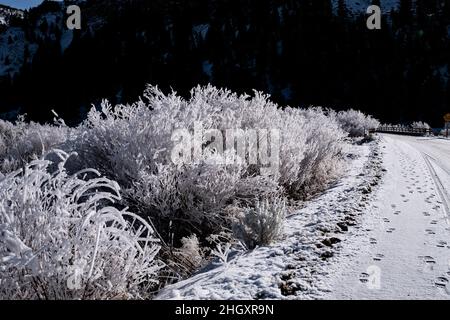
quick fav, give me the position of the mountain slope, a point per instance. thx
(301, 52)
(360, 6)
(8, 13)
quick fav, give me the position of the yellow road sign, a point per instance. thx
(447, 117)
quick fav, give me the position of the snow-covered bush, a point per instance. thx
(261, 224)
(61, 238)
(22, 142)
(322, 152)
(194, 193)
(62, 234)
(420, 125)
(356, 123)
(189, 257)
(133, 145)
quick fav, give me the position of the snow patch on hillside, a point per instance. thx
(14, 43)
(360, 6)
(200, 32)
(6, 13)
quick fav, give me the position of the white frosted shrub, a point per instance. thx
(189, 257)
(61, 238)
(22, 142)
(132, 145)
(356, 123)
(420, 125)
(193, 195)
(262, 224)
(322, 152)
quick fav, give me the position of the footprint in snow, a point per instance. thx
(397, 212)
(433, 222)
(442, 280)
(443, 284)
(364, 277)
(430, 232)
(429, 260)
(373, 241)
(426, 214)
(378, 257)
(390, 230)
(386, 220)
(441, 244)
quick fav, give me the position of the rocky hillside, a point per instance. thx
(7, 14)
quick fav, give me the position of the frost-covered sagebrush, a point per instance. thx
(61, 238)
(420, 125)
(63, 233)
(132, 144)
(261, 224)
(356, 123)
(22, 142)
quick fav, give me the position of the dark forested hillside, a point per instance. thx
(8, 14)
(302, 52)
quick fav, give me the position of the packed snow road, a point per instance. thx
(403, 249)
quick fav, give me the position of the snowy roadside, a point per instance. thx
(402, 251)
(295, 267)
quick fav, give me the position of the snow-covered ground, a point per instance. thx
(294, 267)
(403, 251)
(382, 232)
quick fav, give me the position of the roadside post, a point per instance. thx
(447, 123)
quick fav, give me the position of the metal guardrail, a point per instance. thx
(403, 130)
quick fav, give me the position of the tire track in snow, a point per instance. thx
(445, 198)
